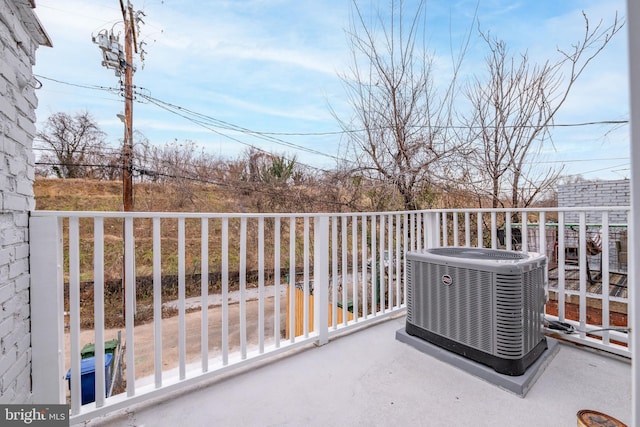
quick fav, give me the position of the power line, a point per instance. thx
(226, 125)
(578, 160)
(167, 106)
(230, 126)
(343, 132)
(83, 86)
(103, 151)
(594, 123)
(168, 163)
(115, 151)
(604, 169)
(235, 185)
(206, 126)
(243, 185)
(211, 123)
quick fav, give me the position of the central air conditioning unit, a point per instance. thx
(484, 304)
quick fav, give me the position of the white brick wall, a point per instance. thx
(18, 44)
(595, 193)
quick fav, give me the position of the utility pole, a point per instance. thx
(120, 59)
(127, 155)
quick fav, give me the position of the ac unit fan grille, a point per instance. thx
(460, 307)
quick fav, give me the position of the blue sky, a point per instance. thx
(273, 65)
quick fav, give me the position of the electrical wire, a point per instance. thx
(211, 123)
(569, 329)
(478, 183)
(183, 112)
(204, 123)
(178, 110)
(103, 151)
(235, 185)
(229, 126)
(208, 121)
(85, 165)
(83, 86)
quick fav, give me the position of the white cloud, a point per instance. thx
(272, 64)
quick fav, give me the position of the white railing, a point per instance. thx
(317, 275)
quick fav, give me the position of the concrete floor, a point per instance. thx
(369, 378)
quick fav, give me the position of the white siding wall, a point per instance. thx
(17, 129)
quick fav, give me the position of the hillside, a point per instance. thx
(94, 195)
(90, 195)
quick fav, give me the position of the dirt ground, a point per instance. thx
(144, 335)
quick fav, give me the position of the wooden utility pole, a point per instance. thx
(127, 152)
(120, 59)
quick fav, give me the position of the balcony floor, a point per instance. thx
(369, 378)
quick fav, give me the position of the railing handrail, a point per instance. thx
(150, 214)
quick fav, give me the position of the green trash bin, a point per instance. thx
(110, 346)
(89, 350)
(349, 306)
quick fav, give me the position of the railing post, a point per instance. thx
(494, 230)
(47, 310)
(431, 220)
(321, 278)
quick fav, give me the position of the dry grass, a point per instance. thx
(88, 195)
(93, 195)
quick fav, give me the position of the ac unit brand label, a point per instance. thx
(446, 280)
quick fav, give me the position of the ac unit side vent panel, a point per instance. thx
(409, 270)
(488, 307)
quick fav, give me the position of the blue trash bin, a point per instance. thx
(88, 377)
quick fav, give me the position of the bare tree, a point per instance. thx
(401, 122)
(513, 109)
(77, 144)
(182, 164)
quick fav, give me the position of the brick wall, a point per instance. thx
(617, 316)
(20, 36)
(595, 193)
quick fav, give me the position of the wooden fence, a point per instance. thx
(299, 313)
